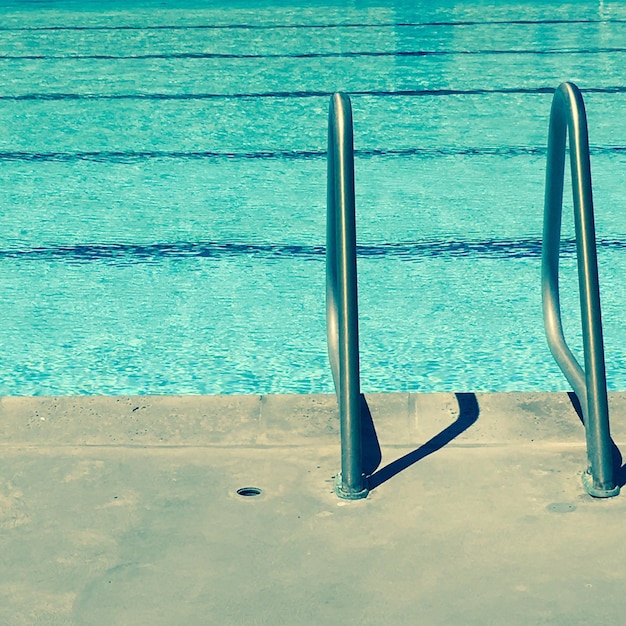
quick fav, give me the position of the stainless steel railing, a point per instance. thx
(341, 296)
(568, 114)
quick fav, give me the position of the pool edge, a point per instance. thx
(399, 419)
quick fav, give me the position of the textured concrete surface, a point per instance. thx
(125, 511)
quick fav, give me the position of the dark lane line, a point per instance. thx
(315, 26)
(129, 254)
(300, 94)
(288, 155)
(304, 55)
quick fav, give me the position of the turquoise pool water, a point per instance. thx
(162, 191)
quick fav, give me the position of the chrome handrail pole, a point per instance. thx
(341, 296)
(568, 116)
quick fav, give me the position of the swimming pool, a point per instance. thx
(162, 184)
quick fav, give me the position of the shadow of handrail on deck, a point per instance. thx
(468, 414)
(619, 467)
(372, 454)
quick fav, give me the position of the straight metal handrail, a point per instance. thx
(568, 114)
(341, 296)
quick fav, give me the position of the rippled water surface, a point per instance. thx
(163, 190)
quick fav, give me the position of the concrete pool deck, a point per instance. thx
(118, 510)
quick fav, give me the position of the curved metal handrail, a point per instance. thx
(341, 296)
(568, 114)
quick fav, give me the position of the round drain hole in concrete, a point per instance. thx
(249, 492)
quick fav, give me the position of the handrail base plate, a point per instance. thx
(595, 491)
(348, 495)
